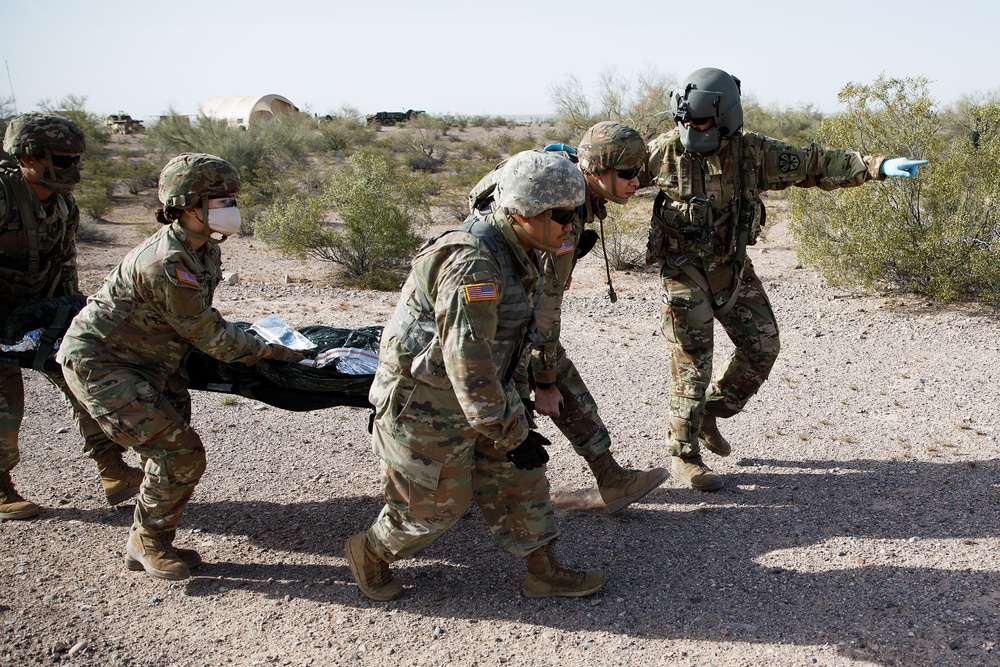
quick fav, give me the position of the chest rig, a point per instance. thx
(708, 207)
(27, 243)
(417, 332)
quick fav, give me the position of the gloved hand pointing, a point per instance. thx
(901, 167)
(531, 453)
(282, 353)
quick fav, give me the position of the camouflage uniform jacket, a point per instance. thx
(153, 308)
(696, 219)
(461, 325)
(557, 269)
(37, 244)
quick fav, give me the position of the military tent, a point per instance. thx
(249, 109)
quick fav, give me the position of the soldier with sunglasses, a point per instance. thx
(610, 155)
(38, 224)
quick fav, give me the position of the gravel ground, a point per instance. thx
(859, 524)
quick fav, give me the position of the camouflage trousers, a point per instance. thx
(156, 424)
(688, 325)
(95, 442)
(515, 503)
(578, 420)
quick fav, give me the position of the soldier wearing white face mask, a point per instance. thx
(124, 355)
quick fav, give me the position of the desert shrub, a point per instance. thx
(624, 232)
(938, 234)
(89, 232)
(379, 211)
(796, 125)
(93, 198)
(139, 175)
(345, 130)
(421, 143)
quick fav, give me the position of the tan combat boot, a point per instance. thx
(120, 481)
(711, 438)
(547, 578)
(620, 487)
(693, 470)
(12, 505)
(190, 557)
(370, 571)
(156, 556)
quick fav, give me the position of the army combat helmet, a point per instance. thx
(533, 182)
(610, 145)
(191, 179)
(707, 93)
(39, 135)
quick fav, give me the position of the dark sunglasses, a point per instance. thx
(628, 174)
(563, 217)
(64, 161)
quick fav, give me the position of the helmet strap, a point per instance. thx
(599, 188)
(543, 245)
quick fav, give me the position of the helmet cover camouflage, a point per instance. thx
(533, 182)
(189, 177)
(34, 133)
(611, 145)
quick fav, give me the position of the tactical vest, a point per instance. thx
(515, 312)
(710, 205)
(26, 270)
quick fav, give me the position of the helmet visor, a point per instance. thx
(698, 104)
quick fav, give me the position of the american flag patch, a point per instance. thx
(567, 246)
(481, 292)
(185, 277)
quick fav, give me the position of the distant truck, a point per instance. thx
(122, 123)
(390, 118)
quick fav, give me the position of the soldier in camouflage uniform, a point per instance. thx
(449, 426)
(124, 354)
(38, 224)
(707, 212)
(610, 155)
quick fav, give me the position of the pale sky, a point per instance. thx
(473, 57)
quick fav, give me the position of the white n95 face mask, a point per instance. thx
(225, 221)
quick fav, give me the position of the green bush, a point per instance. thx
(797, 125)
(139, 175)
(937, 235)
(345, 130)
(93, 199)
(378, 211)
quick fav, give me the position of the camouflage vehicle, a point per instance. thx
(390, 118)
(122, 123)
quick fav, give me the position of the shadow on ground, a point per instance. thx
(717, 558)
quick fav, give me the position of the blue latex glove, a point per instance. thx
(566, 148)
(901, 167)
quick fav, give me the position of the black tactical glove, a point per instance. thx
(531, 453)
(282, 353)
(588, 239)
